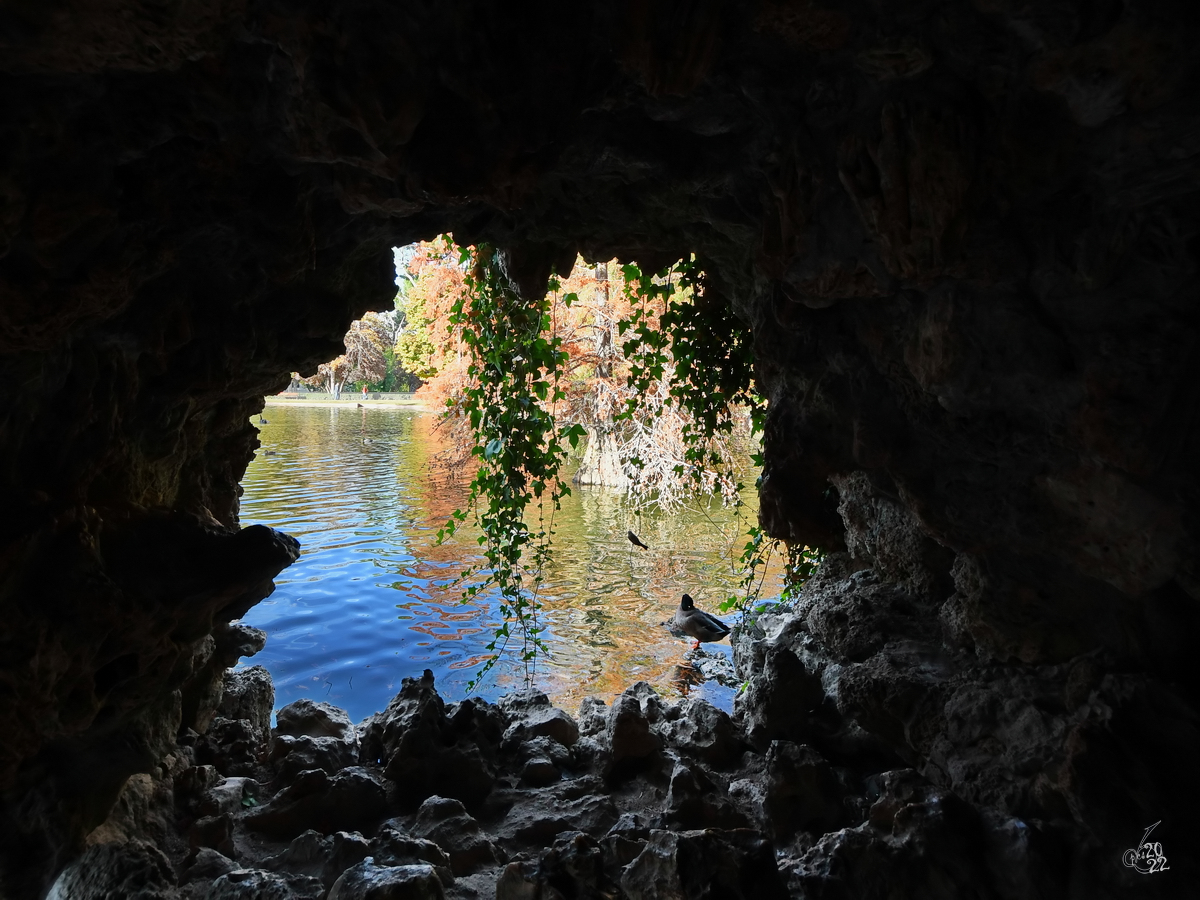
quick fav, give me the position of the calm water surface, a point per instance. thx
(372, 599)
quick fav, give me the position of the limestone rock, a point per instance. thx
(802, 790)
(782, 700)
(750, 796)
(229, 797)
(367, 881)
(593, 716)
(885, 533)
(536, 817)
(707, 865)
(249, 694)
(858, 617)
(319, 856)
(927, 851)
(293, 755)
(256, 884)
(533, 716)
(705, 732)
(215, 832)
(136, 871)
(315, 719)
(146, 809)
(897, 790)
(232, 746)
(629, 734)
(445, 821)
(391, 846)
(235, 640)
(695, 800)
(208, 865)
(428, 749)
(349, 801)
(204, 693)
(539, 771)
(515, 883)
(576, 866)
(625, 840)
(201, 696)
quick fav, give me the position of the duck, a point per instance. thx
(698, 624)
(262, 421)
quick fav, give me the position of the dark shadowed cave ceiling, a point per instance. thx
(964, 235)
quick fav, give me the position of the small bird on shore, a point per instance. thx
(360, 406)
(262, 421)
(698, 624)
(635, 540)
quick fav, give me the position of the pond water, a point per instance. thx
(372, 598)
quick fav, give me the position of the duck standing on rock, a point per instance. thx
(698, 624)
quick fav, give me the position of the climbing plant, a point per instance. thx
(707, 345)
(507, 399)
(675, 336)
(800, 563)
(711, 353)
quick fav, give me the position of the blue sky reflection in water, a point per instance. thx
(371, 599)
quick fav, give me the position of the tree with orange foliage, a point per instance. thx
(365, 358)
(638, 434)
(429, 346)
(637, 439)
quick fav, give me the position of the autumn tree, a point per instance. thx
(430, 346)
(367, 342)
(638, 436)
(329, 377)
(365, 359)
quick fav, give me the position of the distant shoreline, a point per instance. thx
(353, 401)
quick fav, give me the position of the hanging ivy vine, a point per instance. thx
(509, 398)
(511, 387)
(713, 358)
(709, 347)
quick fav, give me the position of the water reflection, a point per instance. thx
(372, 598)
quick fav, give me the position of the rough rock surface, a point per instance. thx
(595, 828)
(367, 881)
(115, 670)
(967, 771)
(1007, 820)
(962, 236)
(134, 869)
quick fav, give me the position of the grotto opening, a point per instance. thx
(963, 234)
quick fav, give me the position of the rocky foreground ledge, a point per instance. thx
(866, 759)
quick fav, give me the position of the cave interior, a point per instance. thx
(962, 233)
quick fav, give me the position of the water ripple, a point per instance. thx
(370, 601)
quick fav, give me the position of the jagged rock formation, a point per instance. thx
(640, 800)
(835, 779)
(963, 233)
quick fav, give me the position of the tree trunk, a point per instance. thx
(601, 464)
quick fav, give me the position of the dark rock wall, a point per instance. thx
(964, 235)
